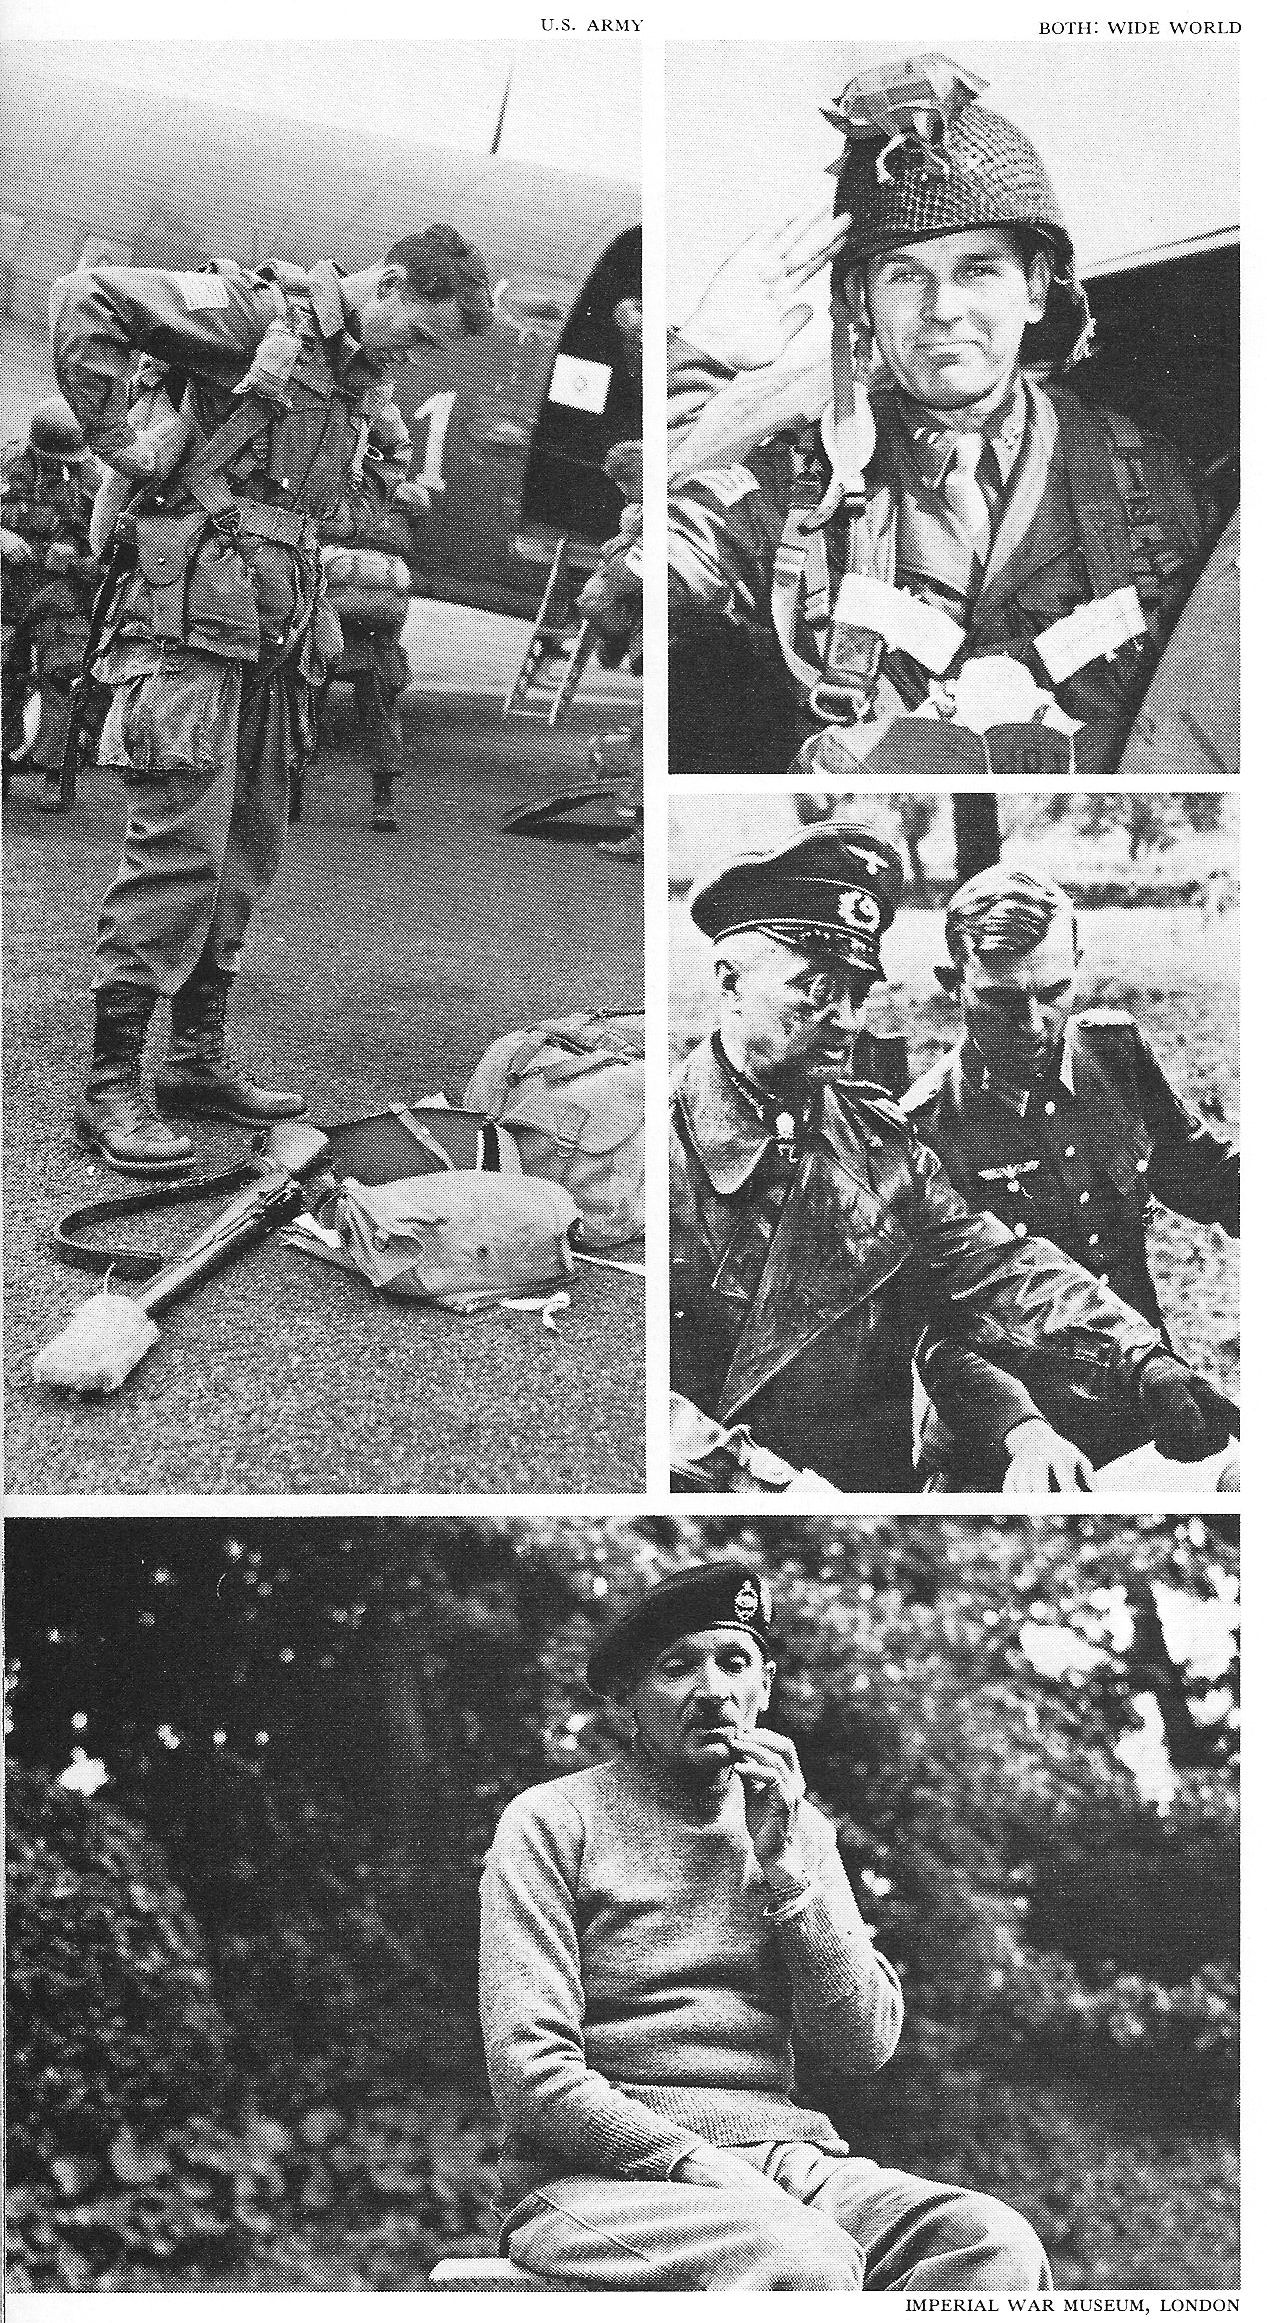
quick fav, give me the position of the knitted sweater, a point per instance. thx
(634, 1999)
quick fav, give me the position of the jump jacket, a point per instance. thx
(1091, 506)
(1081, 1160)
(808, 1274)
(241, 583)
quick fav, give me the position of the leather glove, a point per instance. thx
(1186, 1417)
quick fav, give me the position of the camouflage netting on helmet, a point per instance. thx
(976, 169)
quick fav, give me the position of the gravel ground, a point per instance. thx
(378, 968)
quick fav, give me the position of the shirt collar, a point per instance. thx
(334, 316)
(933, 444)
(1009, 1093)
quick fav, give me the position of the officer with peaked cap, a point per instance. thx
(662, 1936)
(818, 1248)
(959, 529)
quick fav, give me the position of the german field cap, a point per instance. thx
(727, 1593)
(835, 891)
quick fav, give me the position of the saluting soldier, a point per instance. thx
(50, 578)
(818, 1245)
(1060, 1121)
(959, 529)
(217, 634)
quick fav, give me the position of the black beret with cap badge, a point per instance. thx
(726, 1593)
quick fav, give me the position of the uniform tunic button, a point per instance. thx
(1093, 1241)
(1069, 1152)
(1050, 1106)
(285, 483)
(1020, 1232)
(1103, 1281)
(1084, 1197)
(1140, 1168)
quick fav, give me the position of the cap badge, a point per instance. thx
(874, 863)
(747, 1600)
(858, 910)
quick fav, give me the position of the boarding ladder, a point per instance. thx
(558, 649)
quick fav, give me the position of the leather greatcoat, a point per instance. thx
(806, 1281)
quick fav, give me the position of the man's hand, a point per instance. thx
(1038, 1460)
(413, 496)
(713, 2166)
(752, 309)
(14, 548)
(773, 1788)
(1186, 1417)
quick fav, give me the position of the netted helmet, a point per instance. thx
(55, 432)
(923, 157)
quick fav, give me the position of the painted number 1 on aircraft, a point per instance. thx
(437, 412)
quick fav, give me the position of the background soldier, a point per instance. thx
(217, 634)
(370, 594)
(817, 1244)
(1051, 546)
(50, 578)
(1062, 1123)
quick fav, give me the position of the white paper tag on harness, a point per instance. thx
(1091, 631)
(202, 290)
(905, 623)
(726, 484)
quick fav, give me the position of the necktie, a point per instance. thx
(961, 489)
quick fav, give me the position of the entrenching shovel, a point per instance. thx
(110, 1333)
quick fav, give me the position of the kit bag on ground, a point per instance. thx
(572, 1093)
(458, 1238)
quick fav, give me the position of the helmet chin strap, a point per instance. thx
(847, 486)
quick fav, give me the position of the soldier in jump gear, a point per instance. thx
(50, 578)
(217, 634)
(369, 591)
(1058, 1120)
(818, 1247)
(959, 531)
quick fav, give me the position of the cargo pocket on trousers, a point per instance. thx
(179, 719)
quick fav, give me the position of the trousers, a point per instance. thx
(376, 690)
(814, 2222)
(206, 748)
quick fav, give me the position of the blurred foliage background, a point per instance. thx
(252, 1772)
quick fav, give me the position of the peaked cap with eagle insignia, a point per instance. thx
(835, 890)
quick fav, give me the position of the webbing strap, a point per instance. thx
(800, 564)
(1155, 559)
(1097, 503)
(202, 478)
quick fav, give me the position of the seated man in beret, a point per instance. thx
(817, 1245)
(1060, 1121)
(662, 1935)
